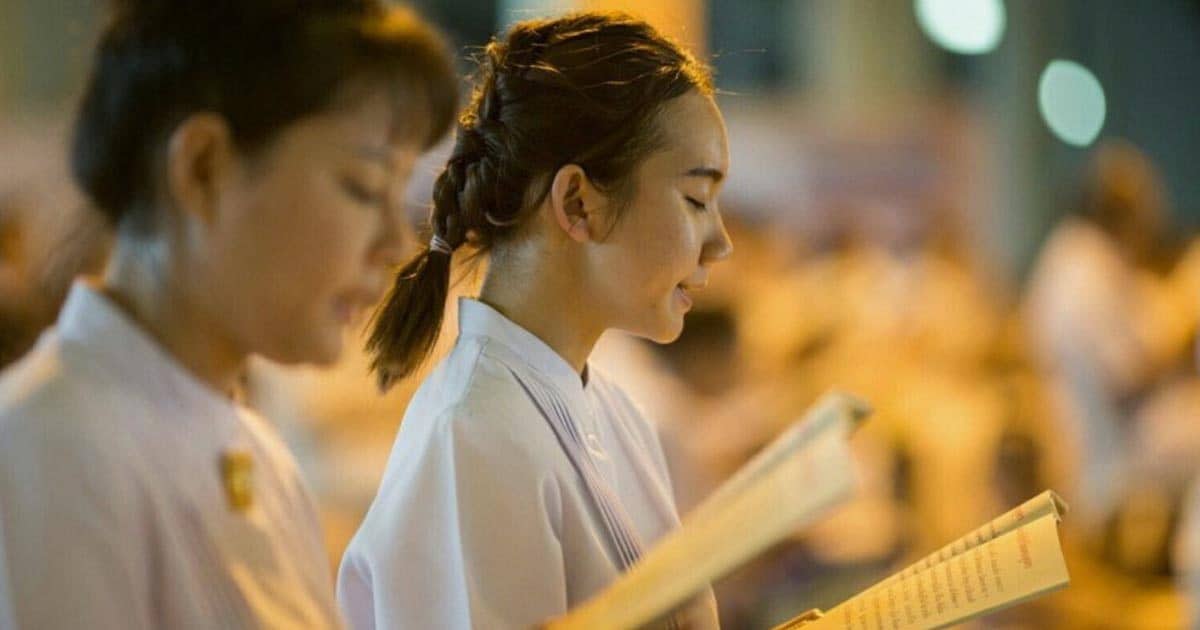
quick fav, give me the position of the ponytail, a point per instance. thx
(406, 326)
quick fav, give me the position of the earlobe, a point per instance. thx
(567, 202)
(198, 153)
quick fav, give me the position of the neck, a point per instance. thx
(549, 304)
(138, 281)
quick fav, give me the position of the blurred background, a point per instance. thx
(978, 214)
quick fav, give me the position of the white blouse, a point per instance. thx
(482, 519)
(114, 510)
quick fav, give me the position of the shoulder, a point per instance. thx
(34, 382)
(473, 423)
(475, 399)
(469, 437)
(59, 444)
(46, 403)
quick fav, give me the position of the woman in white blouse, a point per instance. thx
(251, 156)
(587, 167)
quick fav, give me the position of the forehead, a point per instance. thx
(367, 127)
(695, 133)
(370, 116)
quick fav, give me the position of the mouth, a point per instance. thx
(350, 308)
(694, 282)
(683, 296)
(347, 311)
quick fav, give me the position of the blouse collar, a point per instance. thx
(478, 319)
(91, 322)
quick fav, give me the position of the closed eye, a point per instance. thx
(361, 193)
(697, 204)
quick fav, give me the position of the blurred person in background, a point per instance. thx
(38, 261)
(1110, 312)
(338, 422)
(1184, 394)
(1175, 449)
(1107, 326)
(334, 417)
(250, 155)
(523, 481)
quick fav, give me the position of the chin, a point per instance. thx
(666, 331)
(660, 324)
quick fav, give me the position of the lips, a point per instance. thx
(346, 311)
(681, 293)
(350, 306)
(695, 283)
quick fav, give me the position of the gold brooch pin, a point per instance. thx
(237, 468)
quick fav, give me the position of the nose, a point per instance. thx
(394, 236)
(718, 246)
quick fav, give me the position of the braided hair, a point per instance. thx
(583, 89)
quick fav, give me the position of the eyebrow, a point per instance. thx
(706, 171)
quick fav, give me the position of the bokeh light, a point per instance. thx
(967, 27)
(1072, 102)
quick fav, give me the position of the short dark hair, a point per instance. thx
(584, 89)
(261, 64)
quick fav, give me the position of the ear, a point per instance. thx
(575, 203)
(200, 153)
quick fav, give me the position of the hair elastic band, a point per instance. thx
(439, 244)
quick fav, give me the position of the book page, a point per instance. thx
(1045, 504)
(781, 497)
(1011, 568)
(829, 409)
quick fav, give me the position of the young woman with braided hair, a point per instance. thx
(251, 156)
(587, 167)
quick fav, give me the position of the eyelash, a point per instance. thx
(361, 193)
(697, 204)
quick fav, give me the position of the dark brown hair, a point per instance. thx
(582, 89)
(261, 64)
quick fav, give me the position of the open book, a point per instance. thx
(1014, 558)
(793, 482)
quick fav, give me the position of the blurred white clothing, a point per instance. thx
(114, 512)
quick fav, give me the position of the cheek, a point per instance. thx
(660, 224)
(323, 228)
(295, 246)
(667, 248)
